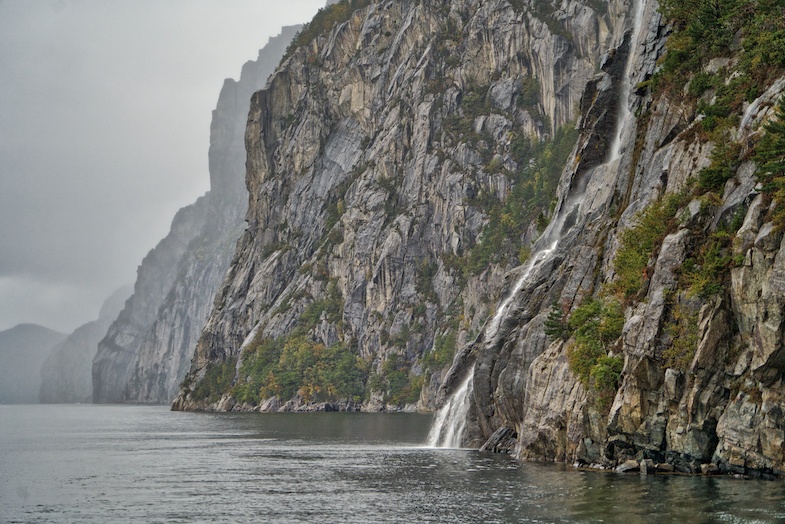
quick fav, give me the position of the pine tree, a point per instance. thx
(770, 156)
(555, 325)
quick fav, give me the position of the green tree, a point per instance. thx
(770, 156)
(556, 326)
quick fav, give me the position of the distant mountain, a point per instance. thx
(23, 349)
(66, 375)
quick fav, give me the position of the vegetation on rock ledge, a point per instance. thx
(753, 30)
(323, 21)
(533, 188)
(298, 366)
(638, 243)
(596, 325)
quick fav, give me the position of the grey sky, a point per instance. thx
(105, 110)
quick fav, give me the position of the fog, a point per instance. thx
(105, 110)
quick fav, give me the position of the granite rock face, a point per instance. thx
(361, 182)
(147, 350)
(369, 155)
(717, 412)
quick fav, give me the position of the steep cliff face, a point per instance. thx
(386, 174)
(146, 352)
(396, 168)
(113, 363)
(66, 375)
(663, 299)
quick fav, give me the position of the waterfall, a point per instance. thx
(448, 428)
(545, 245)
(533, 262)
(626, 85)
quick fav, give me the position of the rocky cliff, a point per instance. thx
(400, 162)
(650, 334)
(147, 350)
(66, 375)
(400, 185)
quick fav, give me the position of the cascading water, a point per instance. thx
(450, 423)
(626, 85)
(447, 430)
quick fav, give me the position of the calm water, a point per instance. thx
(147, 464)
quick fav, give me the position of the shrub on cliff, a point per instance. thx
(751, 32)
(323, 21)
(300, 367)
(217, 380)
(638, 244)
(596, 325)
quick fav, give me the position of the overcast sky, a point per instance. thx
(105, 110)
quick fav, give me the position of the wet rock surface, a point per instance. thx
(353, 186)
(361, 179)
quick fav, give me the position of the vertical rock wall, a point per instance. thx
(720, 406)
(366, 162)
(371, 155)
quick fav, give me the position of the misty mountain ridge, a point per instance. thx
(23, 349)
(147, 350)
(66, 375)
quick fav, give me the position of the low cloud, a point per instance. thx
(104, 131)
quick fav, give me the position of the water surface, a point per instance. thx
(147, 464)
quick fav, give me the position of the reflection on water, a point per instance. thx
(146, 464)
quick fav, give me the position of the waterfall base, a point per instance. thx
(450, 424)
